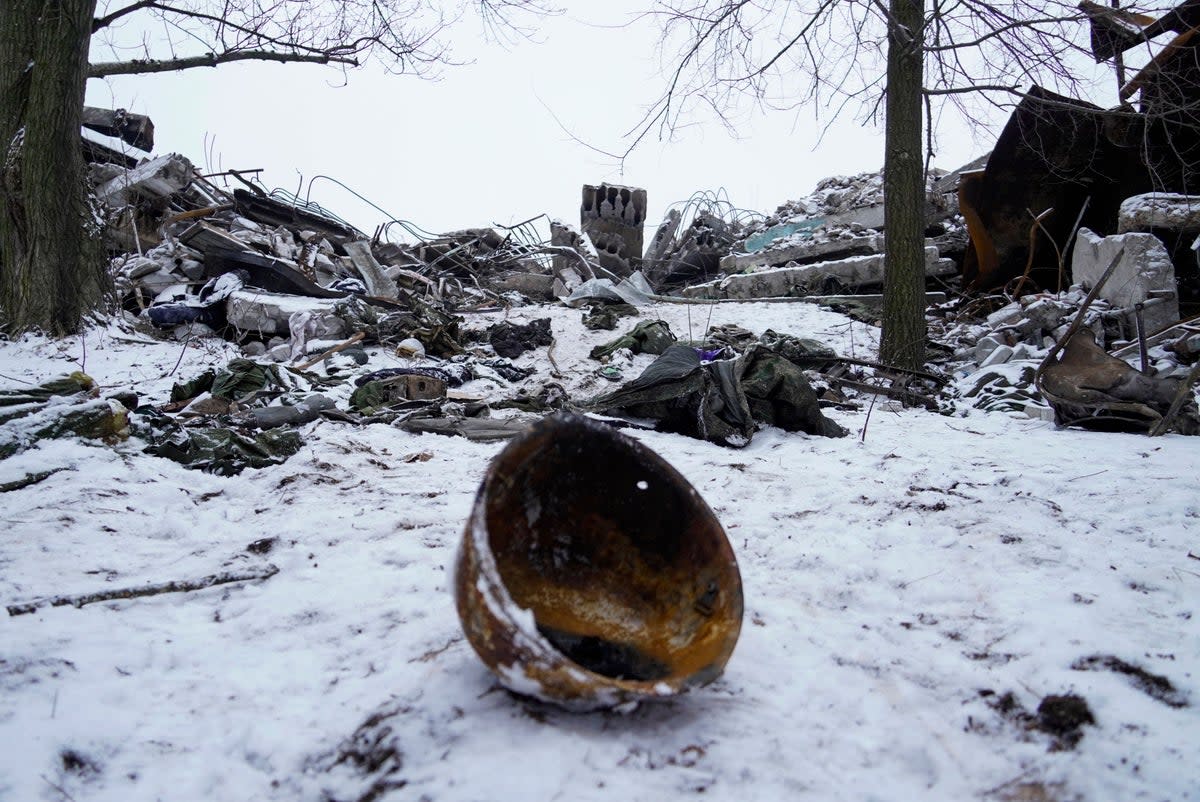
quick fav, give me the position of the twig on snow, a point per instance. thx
(335, 349)
(862, 436)
(58, 788)
(175, 586)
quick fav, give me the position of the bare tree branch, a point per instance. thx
(404, 35)
(109, 19)
(137, 67)
(974, 88)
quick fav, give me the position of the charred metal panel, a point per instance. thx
(1054, 153)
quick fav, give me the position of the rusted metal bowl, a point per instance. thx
(591, 573)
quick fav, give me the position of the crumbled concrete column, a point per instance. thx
(613, 217)
(571, 269)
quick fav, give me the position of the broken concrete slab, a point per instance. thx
(1145, 272)
(274, 212)
(856, 271)
(157, 178)
(809, 250)
(805, 230)
(865, 216)
(1169, 210)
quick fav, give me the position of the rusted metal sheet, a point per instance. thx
(1090, 388)
(1055, 153)
(591, 574)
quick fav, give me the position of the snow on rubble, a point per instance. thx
(966, 606)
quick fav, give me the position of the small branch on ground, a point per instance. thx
(177, 586)
(335, 349)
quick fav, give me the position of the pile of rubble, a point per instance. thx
(1111, 342)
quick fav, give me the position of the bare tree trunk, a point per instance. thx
(903, 339)
(51, 266)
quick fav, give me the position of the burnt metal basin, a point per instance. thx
(591, 574)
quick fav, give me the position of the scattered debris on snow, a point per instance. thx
(277, 378)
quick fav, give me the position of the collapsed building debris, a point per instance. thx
(1071, 164)
(1055, 154)
(820, 278)
(695, 254)
(291, 282)
(1088, 387)
(828, 243)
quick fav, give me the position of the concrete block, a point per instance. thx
(1159, 210)
(997, 357)
(256, 310)
(985, 347)
(1006, 316)
(1042, 315)
(1039, 413)
(805, 250)
(1145, 268)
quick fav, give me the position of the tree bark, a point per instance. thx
(51, 262)
(902, 342)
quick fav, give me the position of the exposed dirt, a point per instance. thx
(1060, 717)
(1154, 685)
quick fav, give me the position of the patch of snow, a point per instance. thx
(896, 583)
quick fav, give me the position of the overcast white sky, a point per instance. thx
(481, 145)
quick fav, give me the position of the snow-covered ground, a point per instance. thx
(910, 590)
